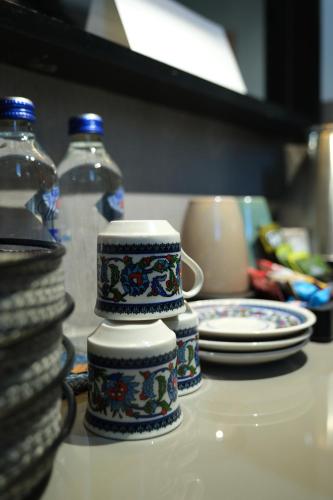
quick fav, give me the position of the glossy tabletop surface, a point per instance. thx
(256, 432)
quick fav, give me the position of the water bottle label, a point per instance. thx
(55, 233)
(111, 206)
(45, 206)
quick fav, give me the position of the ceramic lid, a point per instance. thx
(125, 340)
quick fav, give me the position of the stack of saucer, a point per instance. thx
(251, 331)
(132, 356)
(33, 304)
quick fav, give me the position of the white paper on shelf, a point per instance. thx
(175, 35)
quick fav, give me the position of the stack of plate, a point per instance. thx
(33, 304)
(251, 331)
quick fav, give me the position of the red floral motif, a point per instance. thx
(118, 391)
(174, 381)
(154, 275)
(136, 278)
(147, 261)
(122, 393)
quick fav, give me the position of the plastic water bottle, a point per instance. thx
(29, 191)
(92, 195)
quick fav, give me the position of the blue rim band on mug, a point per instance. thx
(132, 427)
(184, 384)
(138, 248)
(129, 363)
(157, 307)
(186, 332)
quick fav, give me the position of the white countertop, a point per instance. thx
(258, 432)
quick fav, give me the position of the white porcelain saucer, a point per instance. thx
(250, 318)
(252, 346)
(250, 358)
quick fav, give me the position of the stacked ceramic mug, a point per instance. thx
(133, 355)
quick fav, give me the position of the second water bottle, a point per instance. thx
(91, 196)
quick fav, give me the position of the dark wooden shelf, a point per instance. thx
(41, 43)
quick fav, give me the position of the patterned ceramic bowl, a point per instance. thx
(132, 380)
(185, 326)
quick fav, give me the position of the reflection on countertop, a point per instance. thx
(253, 432)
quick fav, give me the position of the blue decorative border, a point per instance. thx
(286, 312)
(186, 332)
(155, 307)
(138, 248)
(132, 363)
(191, 382)
(132, 427)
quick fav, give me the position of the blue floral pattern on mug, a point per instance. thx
(125, 276)
(188, 361)
(148, 393)
(172, 386)
(121, 391)
(188, 358)
(133, 280)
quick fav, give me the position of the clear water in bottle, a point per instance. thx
(91, 196)
(29, 191)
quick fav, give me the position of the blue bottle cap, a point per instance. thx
(17, 108)
(88, 123)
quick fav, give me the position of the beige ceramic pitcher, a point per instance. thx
(213, 234)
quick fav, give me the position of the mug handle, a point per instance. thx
(198, 276)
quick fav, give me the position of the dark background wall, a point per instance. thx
(326, 72)
(159, 149)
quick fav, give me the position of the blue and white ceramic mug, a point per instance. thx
(139, 271)
(185, 326)
(132, 392)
